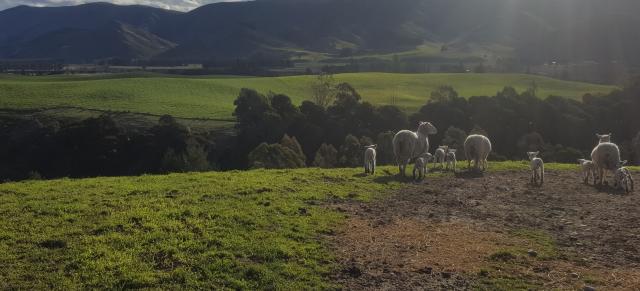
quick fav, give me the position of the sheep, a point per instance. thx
(588, 170)
(451, 159)
(420, 169)
(440, 156)
(370, 159)
(604, 137)
(408, 145)
(477, 148)
(605, 157)
(623, 178)
(537, 168)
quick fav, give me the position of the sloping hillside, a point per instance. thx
(538, 31)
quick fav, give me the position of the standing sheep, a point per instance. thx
(420, 169)
(451, 159)
(623, 178)
(605, 157)
(537, 168)
(408, 145)
(440, 156)
(588, 170)
(370, 159)
(477, 148)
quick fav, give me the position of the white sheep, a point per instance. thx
(477, 149)
(588, 170)
(537, 168)
(370, 159)
(408, 145)
(605, 157)
(420, 169)
(451, 159)
(440, 156)
(623, 178)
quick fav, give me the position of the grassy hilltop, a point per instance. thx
(213, 96)
(265, 229)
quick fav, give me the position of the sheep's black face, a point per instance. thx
(427, 128)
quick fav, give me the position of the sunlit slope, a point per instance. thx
(212, 97)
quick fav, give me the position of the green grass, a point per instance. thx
(234, 230)
(259, 229)
(213, 96)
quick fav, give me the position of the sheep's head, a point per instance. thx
(373, 146)
(426, 128)
(427, 157)
(582, 161)
(604, 137)
(621, 164)
(452, 151)
(533, 155)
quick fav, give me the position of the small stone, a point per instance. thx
(446, 275)
(574, 275)
(532, 253)
(588, 288)
(426, 270)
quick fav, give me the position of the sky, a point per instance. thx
(181, 5)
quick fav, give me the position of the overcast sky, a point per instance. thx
(182, 5)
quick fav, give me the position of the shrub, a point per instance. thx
(326, 157)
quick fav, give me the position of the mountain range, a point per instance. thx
(534, 31)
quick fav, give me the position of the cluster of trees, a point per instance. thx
(272, 132)
(517, 122)
(99, 146)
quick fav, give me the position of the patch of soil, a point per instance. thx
(450, 233)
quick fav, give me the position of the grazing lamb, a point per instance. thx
(588, 170)
(370, 159)
(537, 168)
(604, 137)
(477, 148)
(441, 155)
(451, 159)
(623, 178)
(420, 169)
(605, 157)
(408, 145)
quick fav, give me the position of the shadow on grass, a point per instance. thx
(469, 174)
(360, 175)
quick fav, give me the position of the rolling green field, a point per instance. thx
(213, 96)
(233, 230)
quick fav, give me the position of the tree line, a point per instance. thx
(272, 132)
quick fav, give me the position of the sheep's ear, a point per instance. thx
(622, 163)
(537, 153)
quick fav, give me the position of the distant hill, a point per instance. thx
(535, 31)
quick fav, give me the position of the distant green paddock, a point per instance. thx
(213, 96)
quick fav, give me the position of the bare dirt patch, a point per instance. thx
(492, 232)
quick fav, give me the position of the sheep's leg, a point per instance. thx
(373, 167)
(542, 175)
(414, 174)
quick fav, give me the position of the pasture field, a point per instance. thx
(300, 229)
(212, 96)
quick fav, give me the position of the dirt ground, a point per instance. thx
(493, 232)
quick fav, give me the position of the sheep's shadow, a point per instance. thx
(360, 175)
(469, 174)
(608, 189)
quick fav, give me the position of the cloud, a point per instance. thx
(181, 5)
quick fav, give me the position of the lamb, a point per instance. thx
(605, 157)
(588, 170)
(537, 168)
(408, 145)
(370, 159)
(477, 148)
(623, 178)
(420, 169)
(451, 159)
(440, 155)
